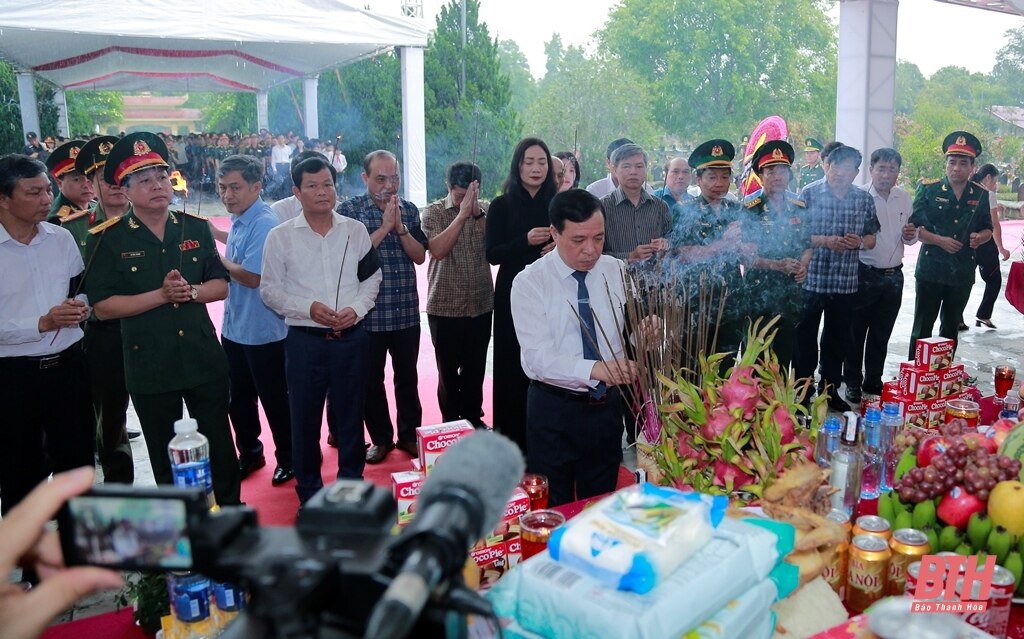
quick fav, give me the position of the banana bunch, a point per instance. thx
(919, 516)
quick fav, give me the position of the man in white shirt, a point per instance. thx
(609, 183)
(566, 307)
(280, 157)
(880, 274)
(42, 367)
(321, 273)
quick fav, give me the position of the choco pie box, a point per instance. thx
(951, 381)
(917, 383)
(432, 441)
(934, 353)
(405, 486)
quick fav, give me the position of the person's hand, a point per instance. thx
(470, 202)
(323, 314)
(659, 244)
(347, 318)
(23, 539)
(175, 288)
(615, 372)
(1004, 253)
(788, 265)
(800, 275)
(641, 253)
(975, 240)
(733, 232)
(852, 241)
(650, 328)
(389, 220)
(949, 244)
(909, 232)
(547, 248)
(67, 313)
(538, 235)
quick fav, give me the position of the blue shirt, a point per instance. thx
(247, 320)
(398, 303)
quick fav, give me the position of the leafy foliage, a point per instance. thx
(88, 109)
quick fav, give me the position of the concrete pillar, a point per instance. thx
(29, 108)
(63, 128)
(414, 146)
(309, 84)
(262, 112)
(866, 89)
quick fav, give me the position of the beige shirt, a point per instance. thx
(460, 284)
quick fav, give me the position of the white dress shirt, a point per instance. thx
(892, 214)
(544, 296)
(300, 267)
(36, 277)
(287, 209)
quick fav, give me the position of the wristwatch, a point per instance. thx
(477, 217)
(404, 231)
(193, 293)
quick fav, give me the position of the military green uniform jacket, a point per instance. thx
(63, 207)
(80, 222)
(811, 173)
(937, 210)
(778, 235)
(173, 346)
(698, 224)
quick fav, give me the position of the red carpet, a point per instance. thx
(111, 625)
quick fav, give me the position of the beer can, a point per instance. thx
(870, 401)
(908, 545)
(868, 570)
(840, 517)
(836, 571)
(978, 619)
(872, 525)
(999, 601)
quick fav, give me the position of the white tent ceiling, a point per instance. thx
(213, 45)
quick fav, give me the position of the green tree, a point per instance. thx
(87, 109)
(1009, 67)
(12, 138)
(521, 83)
(227, 112)
(715, 68)
(574, 106)
(909, 82)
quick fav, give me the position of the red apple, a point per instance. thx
(977, 440)
(1000, 429)
(957, 507)
(929, 448)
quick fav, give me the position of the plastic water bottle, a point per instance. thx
(191, 603)
(190, 458)
(1010, 409)
(828, 441)
(871, 477)
(847, 462)
(892, 424)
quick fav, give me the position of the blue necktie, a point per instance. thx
(587, 329)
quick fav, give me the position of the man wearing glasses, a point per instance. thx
(394, 323)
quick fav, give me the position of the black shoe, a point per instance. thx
(836, 403)
(853, 395)
(964, 327)
(281, 475)
(376, 454)
(246, 468)
(331, 441)
(134, 434)
(408, 447)
(983, 322)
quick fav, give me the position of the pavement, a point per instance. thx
(980, 350)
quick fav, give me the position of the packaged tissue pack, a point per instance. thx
(634, 538)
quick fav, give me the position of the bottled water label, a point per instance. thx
(193, 474)
(192, 598)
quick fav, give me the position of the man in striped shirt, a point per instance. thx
(637, 223)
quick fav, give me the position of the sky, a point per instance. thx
(925, 28)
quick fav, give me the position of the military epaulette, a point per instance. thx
(795, 200)
(104, 225)
(194, 216)
(64, 219)
(64, 211)
(928, 181)
(753, 199)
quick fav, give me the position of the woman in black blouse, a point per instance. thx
(518, 232)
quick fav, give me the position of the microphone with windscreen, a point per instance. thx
(461, 502)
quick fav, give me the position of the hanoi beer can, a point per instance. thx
(836, 571)
(908, 545)
(872, 525)
(868, 571)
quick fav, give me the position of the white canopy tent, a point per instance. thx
(217, 45)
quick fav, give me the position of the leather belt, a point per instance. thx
(325, 333)
(44, 362)
(893, 270)
(572, 396)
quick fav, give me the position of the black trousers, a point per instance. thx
(103, 355)
(836, 310)
(460, 348)
(207, 404)
(943, 301)
(987, 256)
(256, 373)
(875, 309)
(318, 368)
(404, 347)
(48, 417)
(576, 444)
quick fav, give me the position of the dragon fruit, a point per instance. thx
(784, 420)
(718, 421)
(741, 390)
(724, 471)
(686, 451)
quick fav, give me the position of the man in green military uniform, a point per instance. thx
(952, 219)
(76, 192)
(102, 342)
(155, 271)
(708, 239)
(776, 227)
(811, 169)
